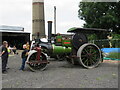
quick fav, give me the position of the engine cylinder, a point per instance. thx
(61, 49)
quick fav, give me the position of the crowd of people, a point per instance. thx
(4, 54)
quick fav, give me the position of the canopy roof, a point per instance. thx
(86, 30)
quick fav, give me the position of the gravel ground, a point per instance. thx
(60, 74)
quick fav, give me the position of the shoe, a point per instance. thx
(21, 69)
(7, 68)
(4, 72)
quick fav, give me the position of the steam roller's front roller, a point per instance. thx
(89, 55)
(37, 60)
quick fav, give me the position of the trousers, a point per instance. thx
(4, 62)
(23, 64)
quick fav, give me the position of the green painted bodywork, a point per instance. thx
(61, 49)
(72, 29)
(57, 38)
(66, 43)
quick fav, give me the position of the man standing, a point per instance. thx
(4, 56)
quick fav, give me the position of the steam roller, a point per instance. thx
(74, 48)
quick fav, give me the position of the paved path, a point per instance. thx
(60, 74)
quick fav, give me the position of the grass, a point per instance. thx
(115, 55)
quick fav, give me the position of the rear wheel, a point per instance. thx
(37, 65)
(89, 55)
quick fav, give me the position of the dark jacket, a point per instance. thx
(6, 52)
(23, 55)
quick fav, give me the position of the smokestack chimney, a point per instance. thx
(49, 31)
(38, 18)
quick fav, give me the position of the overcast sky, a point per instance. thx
(19, 13)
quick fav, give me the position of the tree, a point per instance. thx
(104, 15)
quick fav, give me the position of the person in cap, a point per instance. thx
(4, 56)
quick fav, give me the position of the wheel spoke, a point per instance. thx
(92, 60)
(86, 51)
(95, 53)
(83, 55)
(90, 63)
(85, 61)
(90, 50)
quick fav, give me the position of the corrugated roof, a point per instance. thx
(11, 28)
(13, 31)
